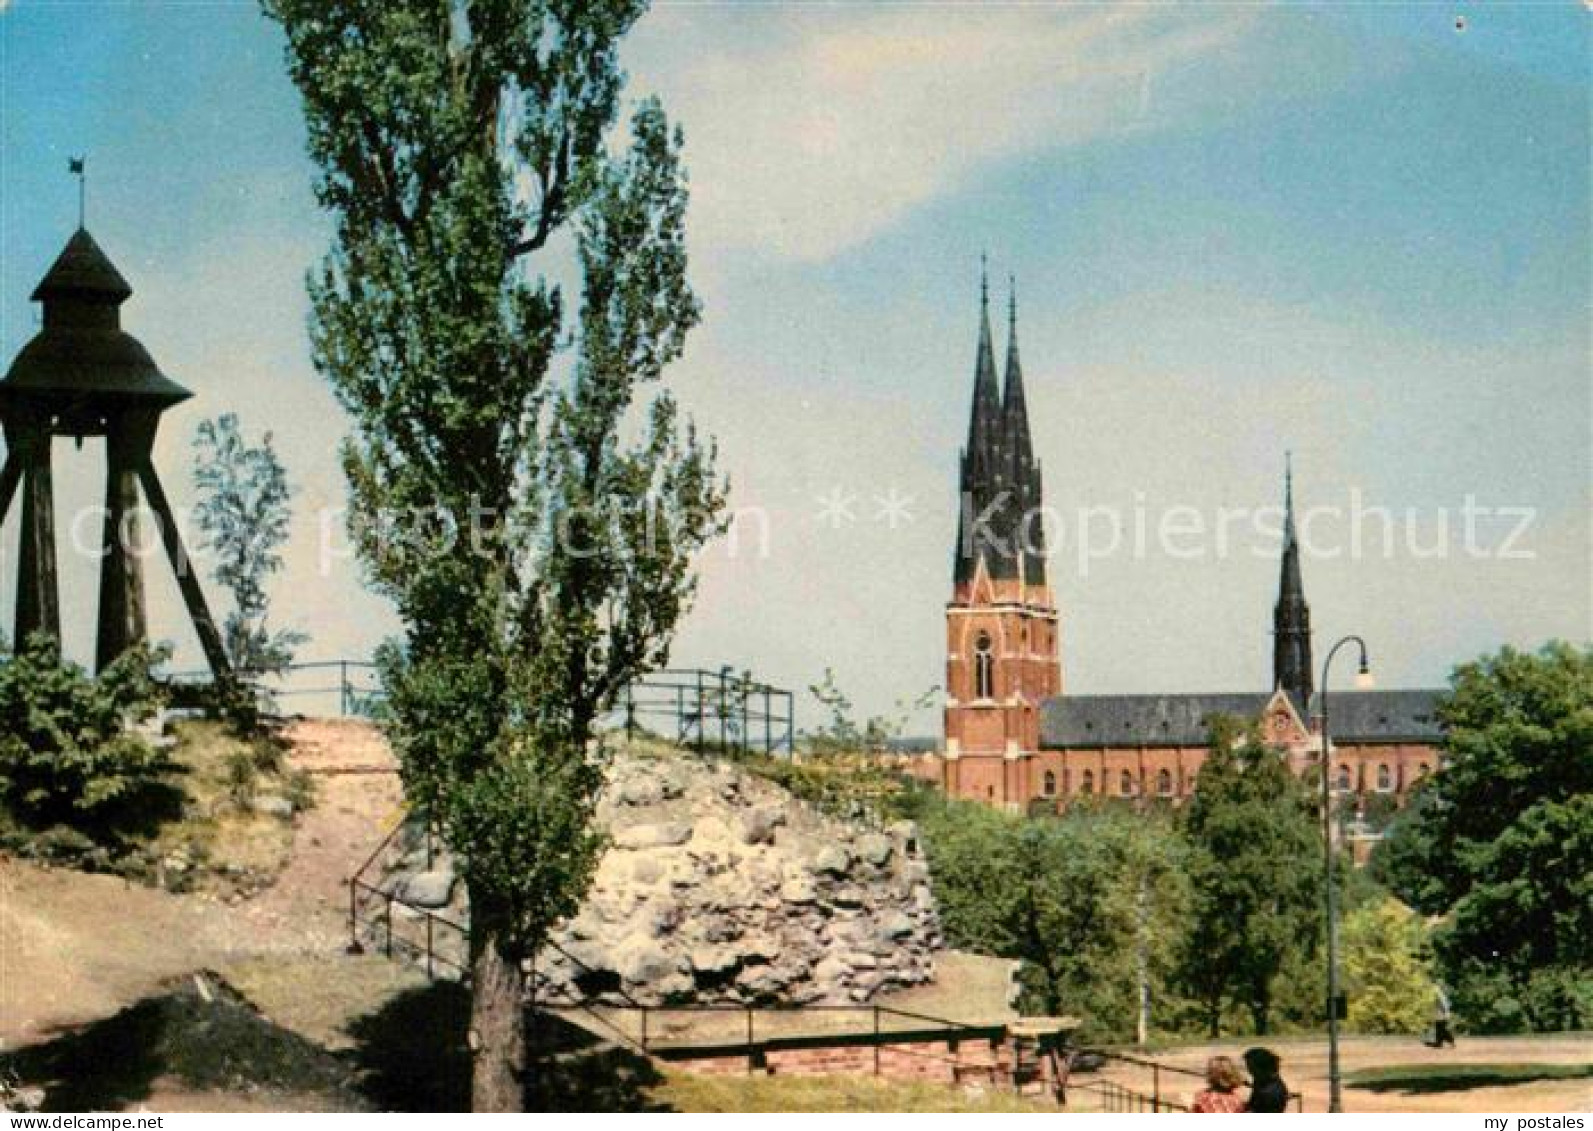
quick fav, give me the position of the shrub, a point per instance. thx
(67, 757)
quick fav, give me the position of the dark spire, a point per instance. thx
(1291, 617)
(984, 469)
(1023, 472)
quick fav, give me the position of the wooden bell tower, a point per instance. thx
(83, 375)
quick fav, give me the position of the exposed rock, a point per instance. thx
(700, 900)
(875, 849)
(799, 889)
(643, 960)
(272, 805)
(653, 836)
(758, 825)
(832, 860)
(428, 889)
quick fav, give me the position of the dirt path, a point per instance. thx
(76, 947)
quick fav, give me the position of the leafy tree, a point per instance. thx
(534, 526)
(1499, 841)
(1089, 902)
(67, 755)
(1256, 874)
(243, 513)
(1387, 972)
(843, 733)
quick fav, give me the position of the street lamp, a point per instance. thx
(1363, 680)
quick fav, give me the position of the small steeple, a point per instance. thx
(1291, 617)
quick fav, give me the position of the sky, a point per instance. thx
(1357, 233)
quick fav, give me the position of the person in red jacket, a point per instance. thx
(1221, 1096)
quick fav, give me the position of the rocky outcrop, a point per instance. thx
(719, 886)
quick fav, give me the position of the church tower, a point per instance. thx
(1291, 617)
(1001, 622)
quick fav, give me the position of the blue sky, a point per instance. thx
(1353, 231)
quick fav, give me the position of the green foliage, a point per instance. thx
(1386, 960)
(1090, 902)
(66, 755)
(243, 513)
(1500, 842)
(842, 732)
(1256, 870)
(531, 517)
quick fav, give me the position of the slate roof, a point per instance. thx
(1181, 720)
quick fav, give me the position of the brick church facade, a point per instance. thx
(1014, 739)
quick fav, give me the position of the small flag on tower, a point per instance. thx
(74, 165)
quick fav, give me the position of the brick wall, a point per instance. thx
(936, 1059)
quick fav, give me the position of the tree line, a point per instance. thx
(1209, 918)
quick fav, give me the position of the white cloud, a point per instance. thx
(840, 122)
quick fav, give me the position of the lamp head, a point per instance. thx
(1363, 677)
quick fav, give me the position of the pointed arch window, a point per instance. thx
(1087, 783)
(984, 668)
(1125, 784)
(1048, 785)
(1385, 780)
(1344, 779)
(1164, 783)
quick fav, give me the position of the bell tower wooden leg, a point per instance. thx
(121, 613)
(38, 602)
(193, 596)
(10, 474)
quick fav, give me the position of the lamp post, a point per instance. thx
(1363, 680)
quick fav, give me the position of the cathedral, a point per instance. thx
(1015, 739)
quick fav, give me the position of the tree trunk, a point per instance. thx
(497, 1024)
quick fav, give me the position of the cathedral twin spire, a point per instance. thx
(1000, 478)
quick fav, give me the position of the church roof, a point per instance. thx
(1385, 716)
(1068, 721)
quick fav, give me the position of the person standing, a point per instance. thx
(1268, 1093)
(1221, 1095)
(1442, 1033)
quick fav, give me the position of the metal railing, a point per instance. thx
(709, 710)
(1117, 1097)
(373, 909)
(695, 707)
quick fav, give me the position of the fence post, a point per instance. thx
(768, 723)
(1156, 1086)
(342, 687)
(876, 1040)
(630, 711)
(749, 1025)
(745, 694)
(702, 726)
(644, 1029)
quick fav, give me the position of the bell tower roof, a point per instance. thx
(82, 366)
(82, 270)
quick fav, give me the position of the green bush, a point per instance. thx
(67, 757)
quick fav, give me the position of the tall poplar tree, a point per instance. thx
(535, 533)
